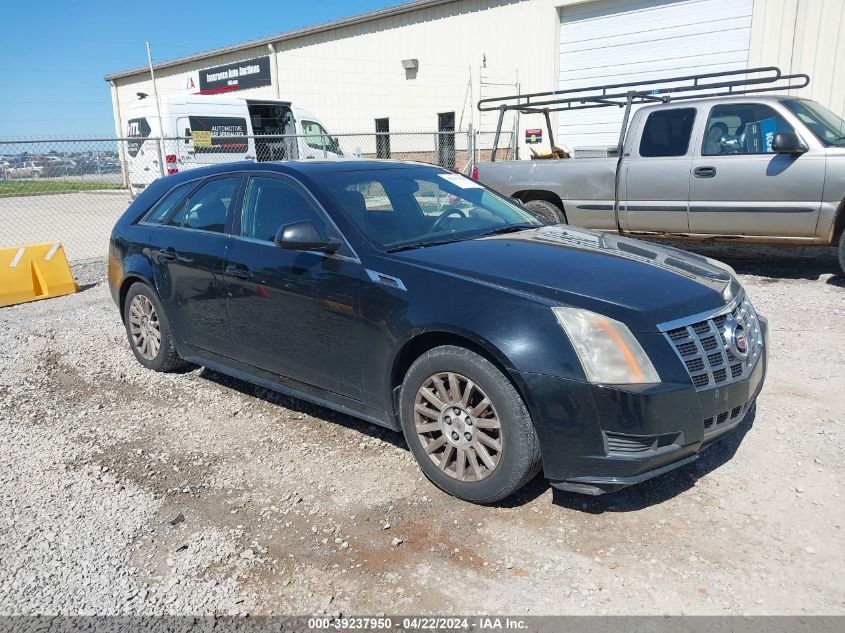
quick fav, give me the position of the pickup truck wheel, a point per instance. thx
(546, 210)
(842, 252)
(467, 426)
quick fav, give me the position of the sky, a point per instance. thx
(61, 50)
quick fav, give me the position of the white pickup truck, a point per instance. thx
(737, 166)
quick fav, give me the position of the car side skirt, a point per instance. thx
(289, 387)
(747, 239)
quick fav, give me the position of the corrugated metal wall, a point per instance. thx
(351, 75)
(806, 36)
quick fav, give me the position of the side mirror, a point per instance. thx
(304, 236)
(788, 143)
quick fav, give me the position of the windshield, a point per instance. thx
(828, 128)
(421, 206)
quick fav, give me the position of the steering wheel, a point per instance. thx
(449, 211)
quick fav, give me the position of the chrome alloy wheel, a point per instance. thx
(144, 327)
(458, 427)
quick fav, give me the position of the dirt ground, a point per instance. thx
(126, 491)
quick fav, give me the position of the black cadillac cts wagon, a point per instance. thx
(416, 298)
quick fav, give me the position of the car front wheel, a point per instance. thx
(467, 426)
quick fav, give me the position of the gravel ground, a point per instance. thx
(130, 492)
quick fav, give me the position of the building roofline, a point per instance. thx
(407, 7)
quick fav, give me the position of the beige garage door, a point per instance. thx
(628, 40)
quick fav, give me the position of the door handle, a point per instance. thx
(239, 271)
(168, 254)
(704, 172)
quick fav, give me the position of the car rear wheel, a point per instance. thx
(546, 210)
(148, 330)
(467, 426)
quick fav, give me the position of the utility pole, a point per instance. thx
(161, 152)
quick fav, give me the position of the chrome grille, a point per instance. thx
(702, 347)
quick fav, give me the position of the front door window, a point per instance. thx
(316, 136)
(742, 128)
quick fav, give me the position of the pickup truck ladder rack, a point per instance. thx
(625, 95)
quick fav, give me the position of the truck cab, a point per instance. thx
(720, 167)
(729, 164)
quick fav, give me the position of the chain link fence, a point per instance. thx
(73, 190)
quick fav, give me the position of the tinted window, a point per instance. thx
(742, 128)
(270, 203)
(169, 202)
(208, 206)
(667, 132)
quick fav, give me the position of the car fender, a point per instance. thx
(136, 267)
(532, 341)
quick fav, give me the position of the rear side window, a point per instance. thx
(271, 203)
(169, 202)
(667, 133)
(208, 206)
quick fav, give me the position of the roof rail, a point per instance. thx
(624, 95)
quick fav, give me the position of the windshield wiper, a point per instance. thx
(511, 228)
(413, 245)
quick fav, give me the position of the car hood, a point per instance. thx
(636, 282)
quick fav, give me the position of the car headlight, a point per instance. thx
(608, 352)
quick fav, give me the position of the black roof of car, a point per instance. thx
(351, 164)
(306, 167)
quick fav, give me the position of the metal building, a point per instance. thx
(423, 65)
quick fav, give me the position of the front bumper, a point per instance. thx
(596, 439)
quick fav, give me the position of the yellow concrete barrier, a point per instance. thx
(34, 271)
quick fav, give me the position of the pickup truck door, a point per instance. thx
(654, 173)
(739, 186)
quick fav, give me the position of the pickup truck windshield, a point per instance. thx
(405, 208)
(828, 128)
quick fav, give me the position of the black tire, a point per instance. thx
(546, 210)
(519, 458)
(166, 359)
(842, 252)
